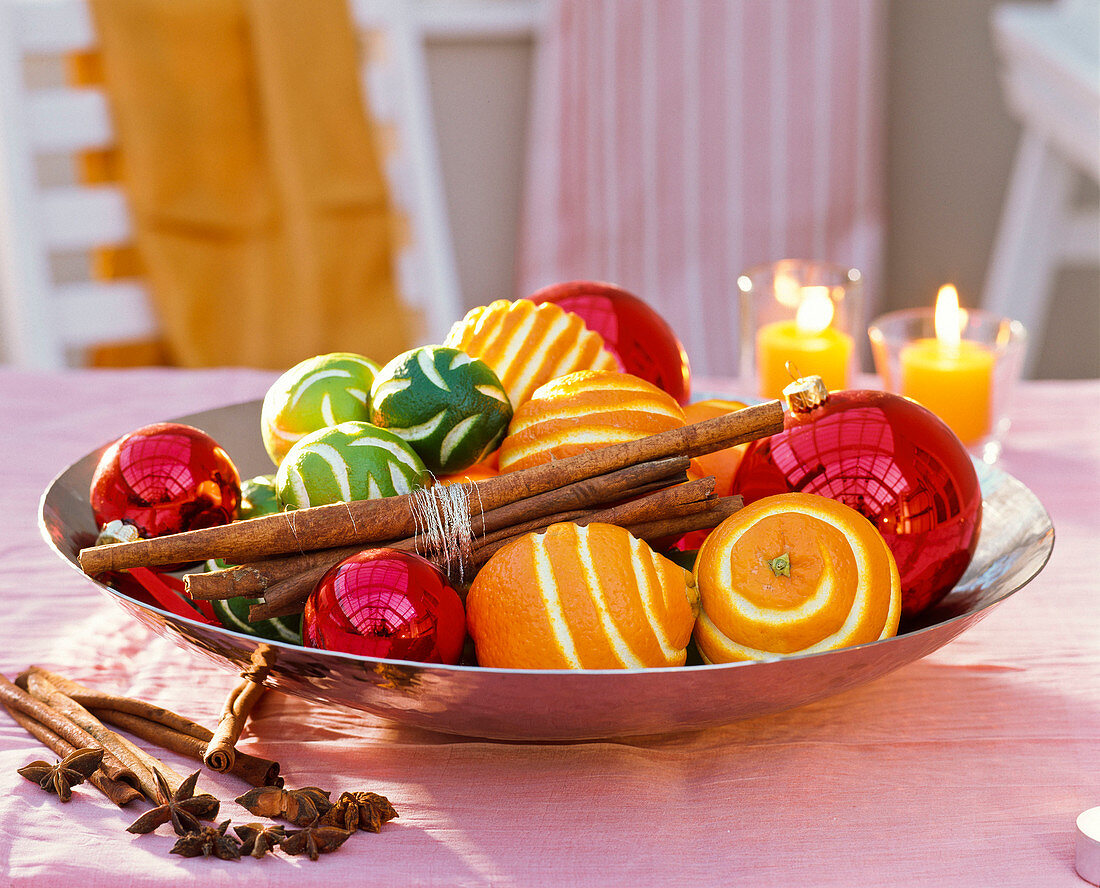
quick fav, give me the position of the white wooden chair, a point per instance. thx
(1050, 73)
(49, 313)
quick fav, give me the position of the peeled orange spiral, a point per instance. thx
(527, 345)
(794, 574)
(584, 411)
(575, 597)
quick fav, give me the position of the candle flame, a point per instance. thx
(815, 311)
(950, 319)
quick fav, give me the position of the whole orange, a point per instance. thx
(794, 573)
(585, 411)
(575, 597)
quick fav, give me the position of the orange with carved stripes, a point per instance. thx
(585, 411)
(527, 345)
(794, 573)
(577, 597)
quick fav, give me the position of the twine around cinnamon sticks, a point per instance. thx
(365, 522)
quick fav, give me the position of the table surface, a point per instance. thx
(968, 767)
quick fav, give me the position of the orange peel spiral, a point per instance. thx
(791, 574)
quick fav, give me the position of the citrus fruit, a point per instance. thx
(487, 468)
(528, 344)
(794, 573)
(577, 597)
(449, 407)
(584, 411)
(349, 461)
(232, 613)
(722, 464)
(321, 391)
(632, 330)
(258, 497)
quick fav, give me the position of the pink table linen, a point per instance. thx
(966, 768)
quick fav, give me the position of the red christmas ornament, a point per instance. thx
(389, 604)
(891, 460)
(634, 333)
(165, 478)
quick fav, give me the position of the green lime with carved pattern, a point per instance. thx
(321, 391)
(450, 407)
(258, 498)
(232, 613)
(349, 461)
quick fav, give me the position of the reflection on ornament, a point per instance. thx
(889, 459)
(389, 604)
(639, 338)
(165, 478)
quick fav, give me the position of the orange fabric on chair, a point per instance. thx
(251, 168)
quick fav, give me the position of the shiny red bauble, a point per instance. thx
(165, 478)
(632, 331)
(387, 604)
(893, 461)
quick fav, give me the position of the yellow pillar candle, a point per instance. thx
(812, 347)
(954, 382)
(949, 375)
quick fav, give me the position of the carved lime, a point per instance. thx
(321, 391)
(451, 408)
(349, 461)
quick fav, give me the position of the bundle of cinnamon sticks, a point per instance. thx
(64, 716)
(279, 558)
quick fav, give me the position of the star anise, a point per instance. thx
(314, 840)
(183, 808)
(359, 810)
(208, 841)
(257, 839)
(299, 806)
(60, 777)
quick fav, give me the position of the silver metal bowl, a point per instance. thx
(513, 704)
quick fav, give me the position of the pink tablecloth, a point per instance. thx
(966, 768)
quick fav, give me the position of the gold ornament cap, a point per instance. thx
(806, 393)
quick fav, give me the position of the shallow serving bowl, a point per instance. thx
(512, 704)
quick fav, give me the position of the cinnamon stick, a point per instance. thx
(253, 579)
(92, 700)
(681, 524)
(288, 596)
(142, 764)
(692, 496)
(220, 751)
(18, 699)
(714, 513)
(116, 791)
(368, 521)
(251, 769)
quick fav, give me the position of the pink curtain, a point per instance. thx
(674, 143)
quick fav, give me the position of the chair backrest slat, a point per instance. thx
(68, 120)
(46, 322)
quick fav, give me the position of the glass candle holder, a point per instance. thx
(799, 318)
(968, 384)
